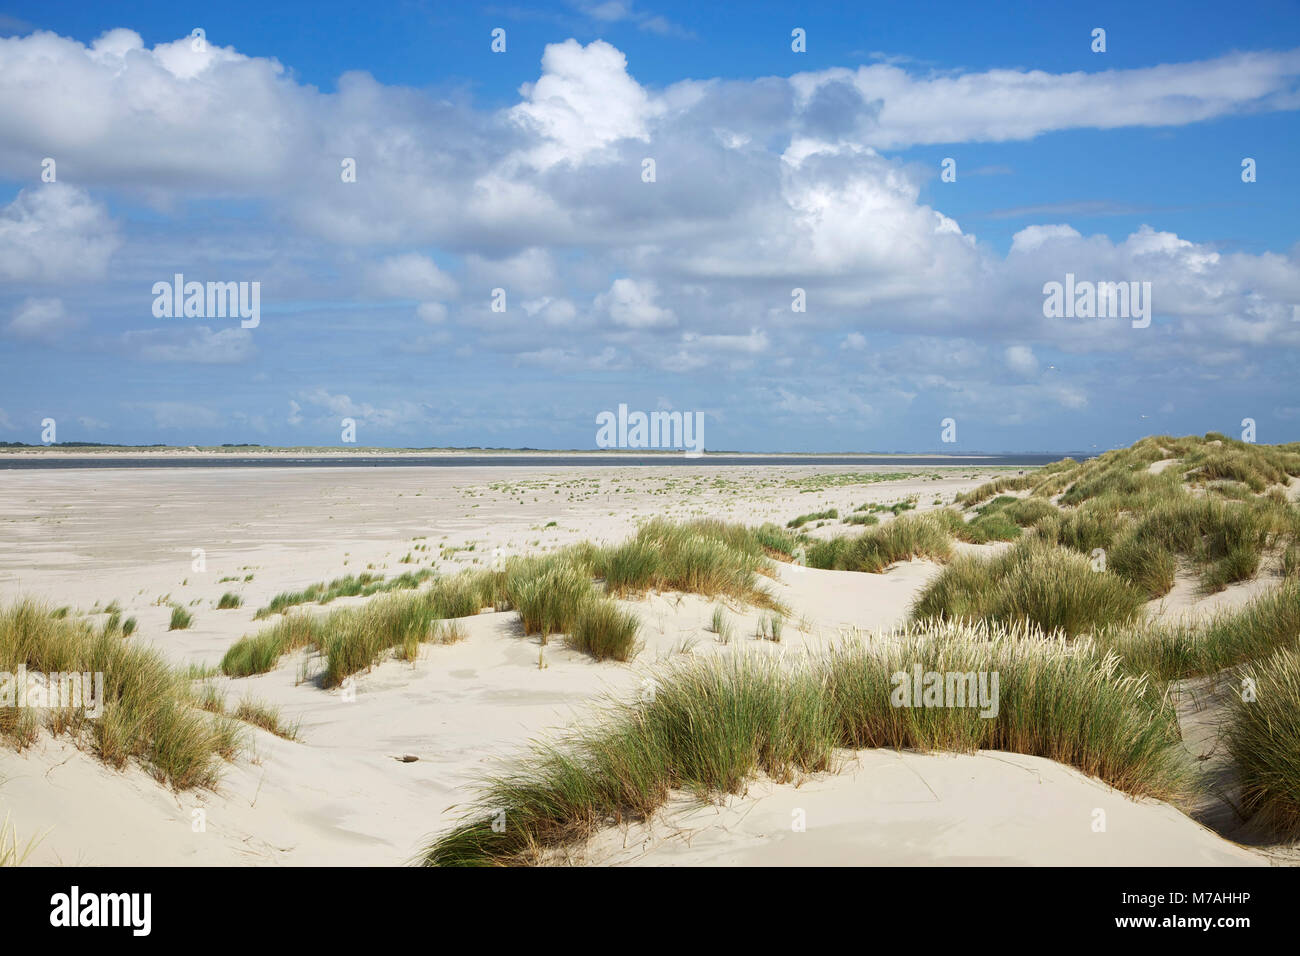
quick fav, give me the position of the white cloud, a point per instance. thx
(197, 345)
(1003, 104)
(410, 276)
(631, 303)
(1034, 237)
(528, 273)
(570, 360)
(554, 312)
(1020, 359)
(400, 414)
(55, 233)
(764, 185)
(583, 102)
(41, 320)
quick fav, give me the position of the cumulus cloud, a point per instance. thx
(41, 320)
(55, 233)
(410, 276)
(554, 312)
(399, 414)
(764, 185)
(1020, 359)
(584, 101)
(631, 303)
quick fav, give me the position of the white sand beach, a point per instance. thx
(347, 791)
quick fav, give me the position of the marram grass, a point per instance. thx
(1263, 737)
(358, 585)
(1217, 506)
(554, 594)
(12, 852)
(151, 714)
(1229, 638)
(907, 536)
(1032, 582)
(713, 723)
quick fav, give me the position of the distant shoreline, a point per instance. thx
(325, 451)
(68, 461)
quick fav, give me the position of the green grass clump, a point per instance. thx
(1240, 462)
(629, 567)
(1144, 564)
(802, 520)
(1225, 538)
(997, 486)
(181, 619)
(604, 631)
(358, 585)
(548, 598)
(994, 527)
(265, 716)
(714, 723)
(906, 537)
(720, 626)
(553, 594)
(1239, 564)
(1267, 624)
(706, 557)
(149, 715)
(229, 600)
(1263, 737)
(1026, 512)
(1082, 529)
(352, 639)
(1291, 561)
(774, 541)
(464, 594)
(862, 519)
(1032, 582)
(260, 652)
(1129, 481)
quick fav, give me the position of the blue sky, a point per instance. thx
(774, 170)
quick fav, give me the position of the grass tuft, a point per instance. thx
(714, 723)
(1034, 582)
(1263, 737)
(149, 712)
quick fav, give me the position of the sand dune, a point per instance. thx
(343, 793)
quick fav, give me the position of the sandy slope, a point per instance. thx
(906, 809)
(341, 796)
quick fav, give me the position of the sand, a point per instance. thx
(343, 794)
